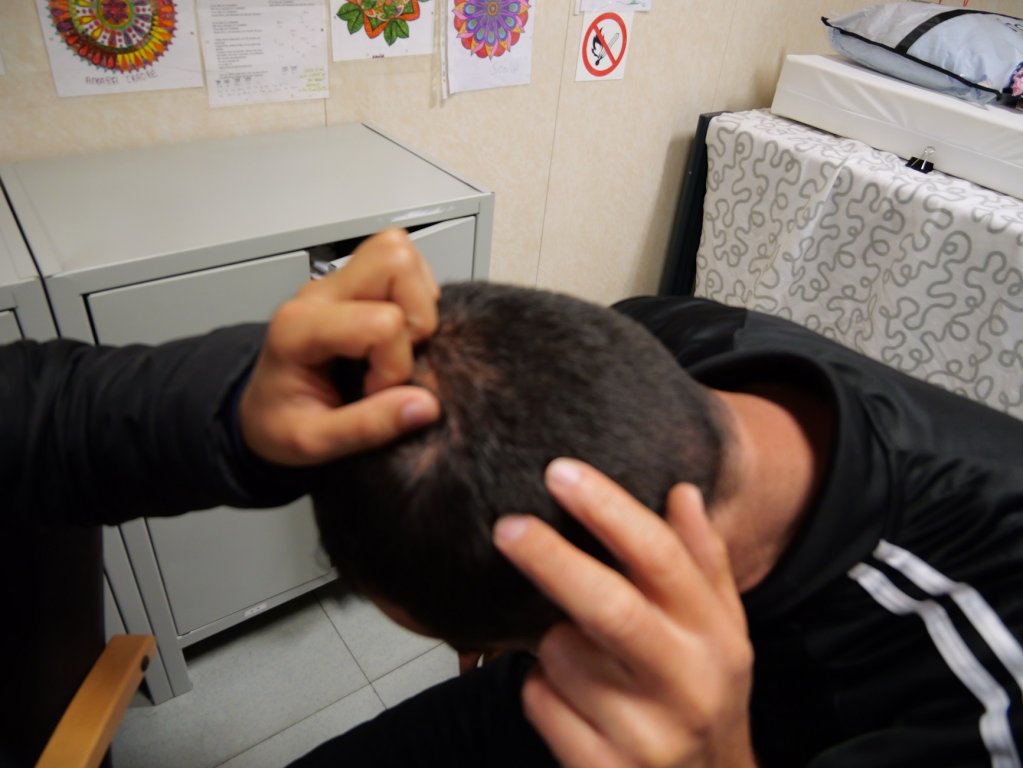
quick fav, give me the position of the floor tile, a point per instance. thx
(417, 675)
(279, 750)
(249, 683)
(378, 644)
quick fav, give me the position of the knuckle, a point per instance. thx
(303, 444)
(619, 616)
(387, 321)
(555, 640)
(370, 428)
(719, 698)
(741, 659)
(393, 235)
(704, 713)
(286, 317)
(662, 753)
(401, 255)
(660, 556)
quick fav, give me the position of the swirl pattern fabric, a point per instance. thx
(922, 272)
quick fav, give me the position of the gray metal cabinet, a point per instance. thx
(152, 244)
(24, 312)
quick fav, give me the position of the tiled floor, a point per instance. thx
(271, 689)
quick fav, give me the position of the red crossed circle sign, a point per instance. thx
(605, 40)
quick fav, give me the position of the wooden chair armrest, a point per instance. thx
(84, 733)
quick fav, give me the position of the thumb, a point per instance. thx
(371, 422)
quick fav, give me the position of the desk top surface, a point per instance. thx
(252, 195)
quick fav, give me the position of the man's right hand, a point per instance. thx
(654, 669)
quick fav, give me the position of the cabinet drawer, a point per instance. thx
(448, 247)
(219, 562)
(186, 305)
(9, 330)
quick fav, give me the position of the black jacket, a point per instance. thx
(92, 435)
(102, 435)
(889, 633)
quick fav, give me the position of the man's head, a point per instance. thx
(523, 376)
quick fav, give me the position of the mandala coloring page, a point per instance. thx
(488, 44)
(112, 46)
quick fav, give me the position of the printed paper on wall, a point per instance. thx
(592, 6)
(113, 46)
(370, 29)
(488, 44)
(264, 50)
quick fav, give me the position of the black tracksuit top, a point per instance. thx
(889, 632)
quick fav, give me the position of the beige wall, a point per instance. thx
(586, 174)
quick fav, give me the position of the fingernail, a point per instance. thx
(563, 472)
(509, 529)
(417, 413)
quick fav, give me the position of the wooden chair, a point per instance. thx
(84, 733)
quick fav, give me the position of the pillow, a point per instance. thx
(975, 55)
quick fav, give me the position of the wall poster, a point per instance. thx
(116, 46)
(264, 51)
(373, 29)
(489, 44)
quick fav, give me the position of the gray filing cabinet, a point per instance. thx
(24, 312)
(152, 244)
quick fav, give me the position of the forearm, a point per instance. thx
(101, 435)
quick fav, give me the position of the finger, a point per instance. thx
(387, 267)
(574, 742)
(311, 333)
(366, 424)
(686, 515)
(579, 668)
(390, 362)
(597, 598)
(596, 685)
(643, 543)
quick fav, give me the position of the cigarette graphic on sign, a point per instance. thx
(598, 46)
(604, 46)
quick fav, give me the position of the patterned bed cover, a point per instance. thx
(923, 272)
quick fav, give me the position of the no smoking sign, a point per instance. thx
(604, 46)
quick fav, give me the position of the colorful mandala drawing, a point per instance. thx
(387, 17)
(492, 27)
(119, 35)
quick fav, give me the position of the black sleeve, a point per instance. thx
(102, 435)
(692, 329)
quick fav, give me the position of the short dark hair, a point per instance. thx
(523, 376)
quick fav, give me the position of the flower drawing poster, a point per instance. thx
(372, 29)
(489, 44)
(113, 46)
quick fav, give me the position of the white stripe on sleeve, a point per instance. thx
(977, 610)
(995, 730)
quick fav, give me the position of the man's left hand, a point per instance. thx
(375, 308)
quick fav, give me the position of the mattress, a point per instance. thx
(980, 143)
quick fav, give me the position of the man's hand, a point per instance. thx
(654, 669)
(380, 304)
